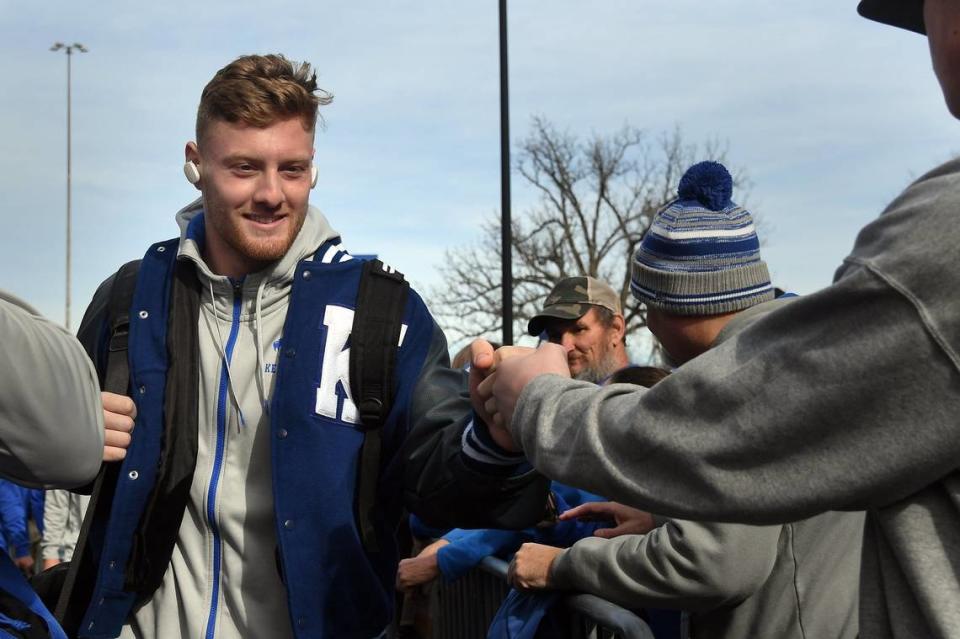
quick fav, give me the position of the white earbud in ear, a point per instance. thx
(191, 171)
(313, 175)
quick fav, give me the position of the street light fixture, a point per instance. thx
(69, 48)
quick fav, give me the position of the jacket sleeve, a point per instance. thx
(680, 565)
(443, 485)
(844, 399)
(13, 518)
(51, 420)
(468, 547)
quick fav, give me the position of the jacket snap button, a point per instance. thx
(133, 474)
(142, 389)
(290, 352)
(307, 275)
(288, 524)
(161, 249)
(301, 622)
(282, 433)
(144, 314)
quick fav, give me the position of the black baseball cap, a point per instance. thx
(906, 14)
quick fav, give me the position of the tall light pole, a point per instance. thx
(506, 239)
(69, 48)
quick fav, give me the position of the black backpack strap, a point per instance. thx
(374, 342)
(116, 379)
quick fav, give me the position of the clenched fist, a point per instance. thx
(119, 411)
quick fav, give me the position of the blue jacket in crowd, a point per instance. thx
(17, 506)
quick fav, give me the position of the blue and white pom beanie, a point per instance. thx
(701, 255)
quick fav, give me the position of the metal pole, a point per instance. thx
(69, 51)
(69, 156)
(505, 218)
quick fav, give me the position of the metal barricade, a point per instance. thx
(465, 608)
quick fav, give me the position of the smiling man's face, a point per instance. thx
(256, 185)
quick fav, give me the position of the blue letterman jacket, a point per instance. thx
(334, 587)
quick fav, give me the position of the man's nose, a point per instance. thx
(566, 340)
(269, 191)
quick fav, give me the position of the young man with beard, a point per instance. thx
(845, 399)
(237, 510)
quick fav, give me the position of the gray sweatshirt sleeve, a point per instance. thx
(845, 399)
(680, 565)
(51, 420)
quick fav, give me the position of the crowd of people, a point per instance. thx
(251, 411)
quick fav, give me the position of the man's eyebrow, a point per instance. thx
(240, 157)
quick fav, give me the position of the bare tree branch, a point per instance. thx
(597, 200)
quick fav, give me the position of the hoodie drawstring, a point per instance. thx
(223, 355)
(257, 337)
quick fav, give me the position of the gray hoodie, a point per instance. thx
(251, 599)
(790, 581)
(845, 399)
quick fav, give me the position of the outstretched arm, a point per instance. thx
(679, 565)
(792, 416)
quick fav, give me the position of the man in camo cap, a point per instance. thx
(583, 315)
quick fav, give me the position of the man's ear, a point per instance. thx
(619, 327)
(191, 167)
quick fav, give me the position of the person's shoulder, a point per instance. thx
(17, 303)
(920, 228)
(749, 316)
(931, 196)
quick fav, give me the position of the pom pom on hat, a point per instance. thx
(701, 255)
(709, 183)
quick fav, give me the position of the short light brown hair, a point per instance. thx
(259, 90)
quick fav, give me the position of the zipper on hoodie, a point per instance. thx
(222, 403)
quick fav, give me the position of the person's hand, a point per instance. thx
(629, 521)
(25, 564)
(481, 366)
(50, 563)
(420, 569)
(483, 363)
(119, 411)
(530, 567)
(503, 388)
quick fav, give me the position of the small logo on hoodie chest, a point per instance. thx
(271, 367)
(334, 398)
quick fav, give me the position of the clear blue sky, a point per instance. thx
(831, 115)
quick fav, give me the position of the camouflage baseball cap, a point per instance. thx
(571, 298)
